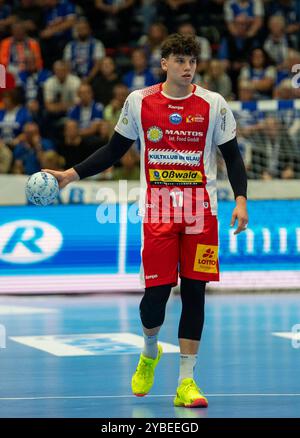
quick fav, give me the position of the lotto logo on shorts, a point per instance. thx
(206, 259)
(178, 177)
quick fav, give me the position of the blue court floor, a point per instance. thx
(74, 357)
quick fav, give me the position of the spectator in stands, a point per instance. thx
(186, 29)
(290, 10)
(13, 116)
(287, 77)
(75, 148)
(104, 82)
(9, 84)
(6, 19)
(87, 113)
(245, 91)
(52, 160)
(279, 47)
(140, 76)
(151, 43)
(28, 152)
(260, 73)
(212, 16)
(174, 12)
(13, 49)
(234, 51)
(252, 10)
(248, 119)
(32, 80)
(273, 150)
(294, 133)
(217, 80)
(129, 168)
(147, 12)
(114, 20)
(84, 52)
(6, 158)
(59, 19)
(30, 14)
(60, 91)
(113, 110)
(277, 43)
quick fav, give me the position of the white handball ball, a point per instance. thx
(42, 188)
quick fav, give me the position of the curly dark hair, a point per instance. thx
(176, 44)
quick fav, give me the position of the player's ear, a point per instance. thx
(163, 64)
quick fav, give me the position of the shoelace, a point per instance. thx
(144, 369)
(193, 386)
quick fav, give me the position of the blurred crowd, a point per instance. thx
(71, 64)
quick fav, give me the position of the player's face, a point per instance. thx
(180, 69)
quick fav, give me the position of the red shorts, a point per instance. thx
(168, 248)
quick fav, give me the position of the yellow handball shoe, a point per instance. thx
(143, 378)
(189, 395)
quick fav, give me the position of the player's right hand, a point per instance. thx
(64, 177)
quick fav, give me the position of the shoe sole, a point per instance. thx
(198, 403)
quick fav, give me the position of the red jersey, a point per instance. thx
(178, 139)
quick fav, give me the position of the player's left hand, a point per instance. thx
(240, 214)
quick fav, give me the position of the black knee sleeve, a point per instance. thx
(153, 305)
(192, 315)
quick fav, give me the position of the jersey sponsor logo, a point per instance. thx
(206, 259)
(175, 107)
(175, 118)
(172, 176)
(194, 119)
(183, 136)
(154, 134)
(125, 121)
(185, 133)
(170, 156)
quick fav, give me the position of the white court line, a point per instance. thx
(132, 396)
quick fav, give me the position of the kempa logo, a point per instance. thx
(175, 107)
(28, 241)
(151, 277)
(2, 76)
(184, 133)
(206, 259)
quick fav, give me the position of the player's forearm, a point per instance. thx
(255, 26)
(104, 157)
(63, 25)
(235, 168)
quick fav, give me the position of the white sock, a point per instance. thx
(187, 365)
(150, 346)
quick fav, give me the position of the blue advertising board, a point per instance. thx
(70, 240)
